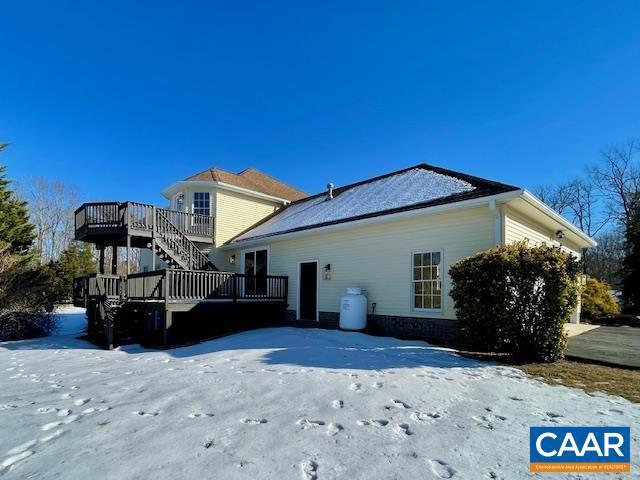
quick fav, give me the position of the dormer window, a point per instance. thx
(201, 203)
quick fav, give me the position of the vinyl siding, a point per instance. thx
(235, 213)
(518, 228)
(378, 258)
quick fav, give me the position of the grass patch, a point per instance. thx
(588, 377)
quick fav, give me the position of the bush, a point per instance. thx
(597, 300)
(23, 296)
(516, 299)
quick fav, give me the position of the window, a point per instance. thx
(201, 203)
(427, 281)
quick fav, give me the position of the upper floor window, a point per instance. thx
(201, 204)
(426, 291)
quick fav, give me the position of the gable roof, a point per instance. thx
(412, 188)
(251, 179)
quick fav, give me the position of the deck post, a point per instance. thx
(153, 253)
(128, 254)
(114, 259)
(153, 238)
(101, 262)
(168, 321)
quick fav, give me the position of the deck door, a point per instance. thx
(256, 263)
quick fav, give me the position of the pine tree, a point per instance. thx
(15, 227)
(23, 282)
(76, 261)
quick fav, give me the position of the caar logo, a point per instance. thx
(580, 449)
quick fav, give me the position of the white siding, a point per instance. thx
(378, 258)
(518, 228)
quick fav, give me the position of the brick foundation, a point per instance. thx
(437, 330)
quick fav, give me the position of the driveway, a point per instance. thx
(611, 345)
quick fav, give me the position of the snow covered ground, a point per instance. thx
(276, 403)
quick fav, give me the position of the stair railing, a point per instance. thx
(178, 242)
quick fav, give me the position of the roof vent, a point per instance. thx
(329, 191)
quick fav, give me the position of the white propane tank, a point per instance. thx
(353, 310)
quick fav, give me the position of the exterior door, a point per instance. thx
(256, 263)
(308, 291)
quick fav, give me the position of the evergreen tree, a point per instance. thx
(23, 282)
(76, 261)
(15, 228)
(631, 264)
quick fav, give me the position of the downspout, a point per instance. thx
(497, 222)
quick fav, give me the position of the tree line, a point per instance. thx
(604, 202)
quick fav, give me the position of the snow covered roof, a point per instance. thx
(415, 187)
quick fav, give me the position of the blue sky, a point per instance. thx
(121, 100)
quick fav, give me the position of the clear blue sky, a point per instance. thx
(122, 100)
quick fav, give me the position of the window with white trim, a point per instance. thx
(201, 203)
(426, 285)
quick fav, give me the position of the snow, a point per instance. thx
(280, 403)
(71, 320)
(400, 190)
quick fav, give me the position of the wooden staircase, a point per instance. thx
(170, 234)
(174, 247)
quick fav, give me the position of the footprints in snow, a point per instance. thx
(425, 417)
(332, 428)
(253, 421)
(142, 413)
(490, 419)
(200, 415)
(374, 423)
(441, 469)
(400, 404)
(309, 470)
(27, 449)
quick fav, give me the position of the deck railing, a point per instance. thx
(174, 285)
(139, 216)
(146, 285)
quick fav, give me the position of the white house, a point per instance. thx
(395, 236)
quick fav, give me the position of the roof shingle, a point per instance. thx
(416, 187)
(251, 179)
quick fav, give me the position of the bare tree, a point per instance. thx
(618, 179)
(579, 200)
(555, 196)
(584, 207)
(51, 207)
(605, 261)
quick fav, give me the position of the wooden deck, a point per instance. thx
(141, 306)
(171, 235)
(99, 222)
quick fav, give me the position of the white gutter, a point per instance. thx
(491, 201)
(169, 191)
(540, 205)
(375, 220)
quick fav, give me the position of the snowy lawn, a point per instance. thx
(277, 403)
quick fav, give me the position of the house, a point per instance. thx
(395, 236)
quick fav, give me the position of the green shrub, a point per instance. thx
(597, 300)
(516, 299)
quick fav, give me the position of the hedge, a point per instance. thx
(516, 299)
